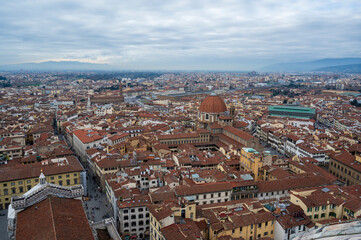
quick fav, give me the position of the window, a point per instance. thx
(259, 225)
(132, 210)
(265, 233)
(67, 175)
(20, 182)
(21, 189)
(317, 208)
(13, 190)
(126, 224)
(67, 182)
(75, 181)
(219, 194)
(134, 217)
(5, 185)
(6, 192)
(52, 178)
(324, 207)
(28, 181)
(322, 215)
(75, 174)
(140, 216)
(309, 209)
(13, 184)
(126, 217)
(140, 209)
(28, 187)
(316, 216)
(59, 177)
(61, 183)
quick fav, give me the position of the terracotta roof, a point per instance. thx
(239, 133)
(183, 231)
(86, 137)
(291, 183)
(213, 104)
(54, 218)
(203, 188)
(21, 171)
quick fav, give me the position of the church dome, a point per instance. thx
(213, 104)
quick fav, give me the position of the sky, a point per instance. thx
(179, 34)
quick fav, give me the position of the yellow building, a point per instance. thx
(17, 179)
(245, 219)
(185, 211)
(331, 202)
(164, 215)
(160, 215)
(251, 160)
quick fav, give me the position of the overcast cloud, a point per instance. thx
(184, 35)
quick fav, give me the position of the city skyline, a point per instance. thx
(179, 35)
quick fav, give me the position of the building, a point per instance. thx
(205, 193)
(210, 110)
(240, 219)
(15, 180)
(160, 216)
(53, 218)
(329, 203)
(251, 160)
(345, 167)
(291, 221)
(292, 111)
(172, 140)
(85, 139)
(111, 98)
(134, 218)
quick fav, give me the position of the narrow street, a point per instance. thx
(97, 206)
(4, 224)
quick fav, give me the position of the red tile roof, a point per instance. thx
(87, 137)
(54, 218)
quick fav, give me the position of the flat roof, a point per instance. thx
(291, 109)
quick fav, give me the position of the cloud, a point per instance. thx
(180, 34)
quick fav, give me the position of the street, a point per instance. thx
(4, 225)
(97, 207)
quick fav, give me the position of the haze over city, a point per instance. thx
(179, 35)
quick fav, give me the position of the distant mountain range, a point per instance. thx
(351, 68)
(58, 66)
(349, 65)
(346, 65)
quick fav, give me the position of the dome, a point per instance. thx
(213, 104)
